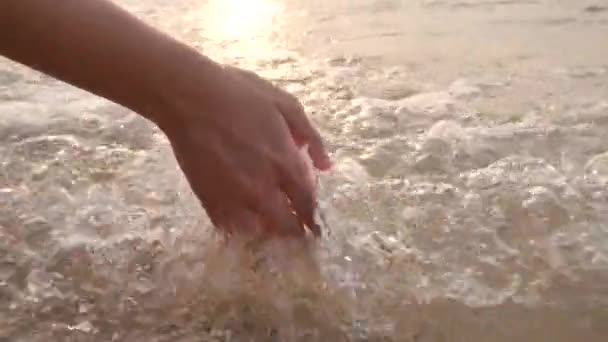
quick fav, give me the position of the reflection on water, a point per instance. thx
(241, 19)
(247, 26)
(468, 199)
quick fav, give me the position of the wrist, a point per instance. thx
(183, 73)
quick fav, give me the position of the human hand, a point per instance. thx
(230, 129)
(236, 137)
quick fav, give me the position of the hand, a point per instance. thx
(236, 137)
(230, 130)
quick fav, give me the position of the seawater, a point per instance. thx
(468, 199)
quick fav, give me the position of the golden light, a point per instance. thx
(241, 20)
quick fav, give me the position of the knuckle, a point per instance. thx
(291, 103)
(292, 99)
(297, 106)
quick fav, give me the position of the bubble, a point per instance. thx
(598, 165)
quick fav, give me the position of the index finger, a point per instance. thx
(278, 216)
(303, 131)
(297, 183)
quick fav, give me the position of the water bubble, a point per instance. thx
(598, 165)
(85, 327)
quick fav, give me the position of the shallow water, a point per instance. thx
(468, 202)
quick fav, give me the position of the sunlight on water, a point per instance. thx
(247, 26)
(240, 20)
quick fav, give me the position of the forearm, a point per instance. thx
(96, 46)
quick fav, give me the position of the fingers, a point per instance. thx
(242, 221)
(301, 128)
(278, 217)
(303, 132)
(299, 188)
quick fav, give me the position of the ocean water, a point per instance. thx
(468, 202)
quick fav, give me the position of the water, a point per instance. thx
(468, 200)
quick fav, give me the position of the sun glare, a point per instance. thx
(243, 19)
